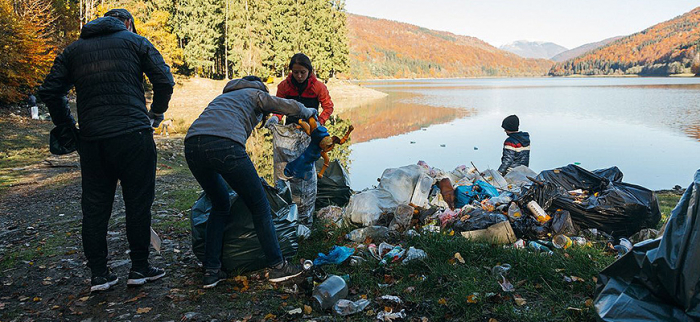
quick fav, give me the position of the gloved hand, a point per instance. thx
(309, 113)
(156, 119)
(272, 121)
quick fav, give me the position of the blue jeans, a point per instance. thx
(214, 162)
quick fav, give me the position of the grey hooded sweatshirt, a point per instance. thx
(234, 114)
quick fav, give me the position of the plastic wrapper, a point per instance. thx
(495, 178)
(517, 177)
(332, 214)
(376, 233)
(422, 191)
(480, 190)
(659, 280)
(334, 186)
(242, 250)
(336, 255)
(365, 208)
(288, 144)
(618, 208)
(346, 307)
(414, 254)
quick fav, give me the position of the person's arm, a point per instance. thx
(159, 75)
(54, 90)
(507, 159)
(282, 90)
(272, 104)
(326, 103)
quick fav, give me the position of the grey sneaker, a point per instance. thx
(103, 282)
(213, 277)
(140, 277)
(286, 272)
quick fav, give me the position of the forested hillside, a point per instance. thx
(670, 47)
(388, 49)
(580, 50)
(209, 38)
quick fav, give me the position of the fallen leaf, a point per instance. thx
(442, 301)
(363, 296)
(284, 296)
(84, 298)
(458, 257)
(595, 279)
(55, 307)
(269, 316)
(559, 270)
(409, 289)
(577, 279)
(567, 255)
(134, 299)
(36, 299)
(519, 300)
(143, 310)
(589, 302)
(493, 320)
(242, 282)
(472, 298)
(307, 309)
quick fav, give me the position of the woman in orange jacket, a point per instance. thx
(302, 85)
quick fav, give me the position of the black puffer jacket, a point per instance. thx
(106, 65)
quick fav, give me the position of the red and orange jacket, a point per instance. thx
(315, 94)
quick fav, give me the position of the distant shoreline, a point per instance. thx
(686, 75)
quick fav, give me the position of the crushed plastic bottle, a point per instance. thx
(393, 255)
(414, 254)
(579, 241)
(346, 307)
(374, 232)
(326, 294)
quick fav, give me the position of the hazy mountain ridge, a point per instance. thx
(534, 49)
(670, 47)
(580, 50)
(382, 48)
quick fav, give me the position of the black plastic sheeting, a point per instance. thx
(242, 251)
(334, 187)
(620, 209)
(659, 280)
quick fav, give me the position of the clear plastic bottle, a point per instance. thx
(514, 211)
(327, 293)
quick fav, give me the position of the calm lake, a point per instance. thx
(648, 127)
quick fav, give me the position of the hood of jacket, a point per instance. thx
(522, 137)
(102, 26)
(242, 83)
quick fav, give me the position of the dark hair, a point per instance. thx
(302, 60)
(252, 78)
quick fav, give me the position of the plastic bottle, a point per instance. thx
(538, 212)
(375, 232)
(540, 248)
(562, 241)
(327, 293)
(394, 254)
(514, 211)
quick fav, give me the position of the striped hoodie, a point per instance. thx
(516, 151)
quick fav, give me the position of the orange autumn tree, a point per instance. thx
(26, 49)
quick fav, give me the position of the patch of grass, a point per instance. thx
(183, 199)
(37, 252)
(438, 287)
(667, 201)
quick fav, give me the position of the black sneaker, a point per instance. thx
(141, 277)
(284, 273)
(103, 282)
(213, 277)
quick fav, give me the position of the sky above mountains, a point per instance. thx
(569, 23)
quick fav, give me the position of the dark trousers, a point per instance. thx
(214, 162)
(131, 160)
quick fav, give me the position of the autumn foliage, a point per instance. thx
(388, 49)
(26, 47)
(666, 48)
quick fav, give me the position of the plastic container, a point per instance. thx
(562, 241)
(514, 211)
(375, 232)
(326, 294)
(579, 241)
(538, 212)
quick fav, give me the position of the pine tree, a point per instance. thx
(199, 26)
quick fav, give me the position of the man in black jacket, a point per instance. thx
(106, 66)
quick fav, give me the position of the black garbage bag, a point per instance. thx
(334, 187)
(527, 227)
(562, 224)
(618, 208)
(242, 251)
(479, 219)
(659, 280)
(613, 174)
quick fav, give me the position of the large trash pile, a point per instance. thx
(558, 208)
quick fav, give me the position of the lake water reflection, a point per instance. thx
(648, 127)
